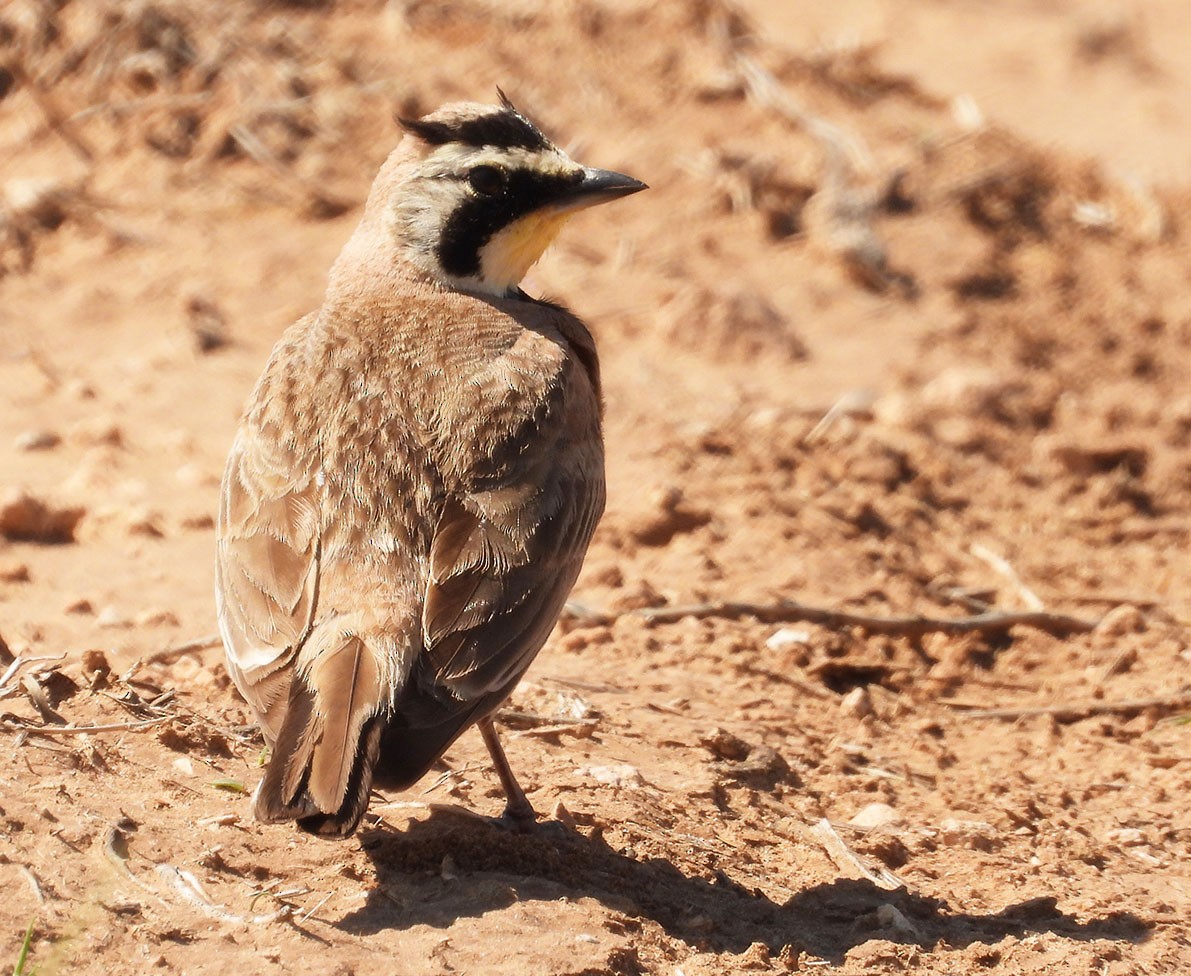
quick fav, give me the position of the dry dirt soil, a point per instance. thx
(901, 332)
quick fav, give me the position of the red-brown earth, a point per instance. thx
(901, 330)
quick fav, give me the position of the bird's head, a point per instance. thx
(475, 193)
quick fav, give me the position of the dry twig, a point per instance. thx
(181, 650)
(786, 611)
(1082, 710)
(1002, 566)
(845, 858)
(9, 726)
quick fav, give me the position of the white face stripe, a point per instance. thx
(437, 186)
(454, 159)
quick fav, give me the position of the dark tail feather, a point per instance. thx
(320, 773)
(282, 794)
(344, 821)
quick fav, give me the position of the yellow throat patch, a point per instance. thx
(510, 253)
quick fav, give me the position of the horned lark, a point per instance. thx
(417, 476)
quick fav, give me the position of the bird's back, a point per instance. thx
(419, 473)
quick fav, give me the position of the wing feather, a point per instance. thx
(502, 565)
(266, 573)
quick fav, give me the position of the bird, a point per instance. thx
(413, 485)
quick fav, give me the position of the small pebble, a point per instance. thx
(111, 618)
(974, 835)
(14, 573)
(875, 815)
(37, 440)
(856, 703)
(788, 637)
(626, 776)
(1126, 837)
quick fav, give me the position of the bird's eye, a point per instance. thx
(487, 181)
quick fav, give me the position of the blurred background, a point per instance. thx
(902, 327)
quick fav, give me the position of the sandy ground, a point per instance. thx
(901, 332)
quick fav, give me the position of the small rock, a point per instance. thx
(975, 835)
(145, 523)
(889, 917)
(156, 618)
(724, 745)
(111, 618)
(625, 776)
(37, 440)
(788, 637)
(962, 391)
(856, 703)
(96, 669)
(97, 432)
(206, 323)
(875, 815)
(1126, 837)
(1084, 460)
(183, 766)
(563, 816)
(14, 573)
(27, 519)
(638, 595)
(81, 606)
(667, 514)
(95, 661)
(756, 956)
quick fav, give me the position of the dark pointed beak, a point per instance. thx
(598, 186)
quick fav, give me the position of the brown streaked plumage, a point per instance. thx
(414, 484)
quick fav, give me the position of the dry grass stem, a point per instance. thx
(786, 611)
(848, 860)
(1082, 710)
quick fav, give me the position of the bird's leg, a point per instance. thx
(518, 811)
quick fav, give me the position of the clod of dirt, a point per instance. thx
(856, 703)
(1084, 460)
(206, 324)
(627, 777)
(24, 518)
(194, 739)
(32, 208)
(961, 391)
(97, 432)
(743, 762)
(666, 515)
(58, 686)
(14, 573)
(974, 835)
(724, 745)
(873, 815)
(110, 618)
(732, 322)
(96, 668)
(1126, 837)
(37, 440)
(788, 638)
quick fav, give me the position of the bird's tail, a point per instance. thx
(320, 773)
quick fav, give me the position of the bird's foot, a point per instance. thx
(524, 820)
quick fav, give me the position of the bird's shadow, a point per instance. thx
(444, 868)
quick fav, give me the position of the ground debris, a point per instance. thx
(26, 518)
